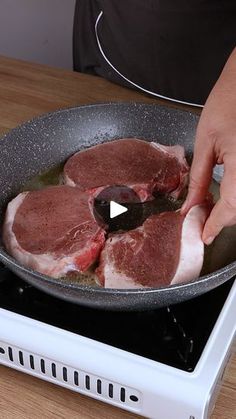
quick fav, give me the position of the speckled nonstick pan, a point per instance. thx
(48, 140)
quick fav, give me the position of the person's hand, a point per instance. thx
(216, 144)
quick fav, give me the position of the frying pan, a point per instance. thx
(46, 141)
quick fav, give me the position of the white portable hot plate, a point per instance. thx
(165, 363)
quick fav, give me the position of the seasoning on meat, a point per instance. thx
(167, 249)
(142, 166)
(53, 230)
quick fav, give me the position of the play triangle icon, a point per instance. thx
(116, 209)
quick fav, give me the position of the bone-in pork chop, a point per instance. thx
(167, 249)
(142, 166)
(53, 231)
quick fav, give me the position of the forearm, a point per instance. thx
(218, 119)
(225, 87)
(216, 143)
(230, 66)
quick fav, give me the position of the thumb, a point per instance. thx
(224, 211)
(222, 215)
(200, 173)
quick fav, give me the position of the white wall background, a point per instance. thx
(37, 30)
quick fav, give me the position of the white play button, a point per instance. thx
(116, 209)
(113, 207)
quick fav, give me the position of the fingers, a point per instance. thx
(221, 216)
(224, 212)
(200, 173)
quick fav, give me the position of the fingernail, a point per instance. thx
(209, 240)
(184, 207)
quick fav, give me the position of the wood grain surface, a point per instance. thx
(27, 90)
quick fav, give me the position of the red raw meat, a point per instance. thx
(167, 249)
(53, 230)
(140, 165)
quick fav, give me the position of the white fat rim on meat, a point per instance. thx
(128, 80)
(192, 246)
(176, 151)
(68, 181)
(112, 277)
(43, 263)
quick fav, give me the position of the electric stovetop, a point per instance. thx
(175, 335)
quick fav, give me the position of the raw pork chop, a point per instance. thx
(53, 231)
(143, 166)
(167, 249)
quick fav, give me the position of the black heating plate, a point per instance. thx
(175, 335)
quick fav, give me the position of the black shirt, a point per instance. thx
(174, 48)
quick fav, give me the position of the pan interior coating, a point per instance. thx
(46, 142)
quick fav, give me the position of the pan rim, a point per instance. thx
(8, 260)
(97, 104)
(4, 257)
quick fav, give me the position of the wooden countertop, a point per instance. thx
(27, 90)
